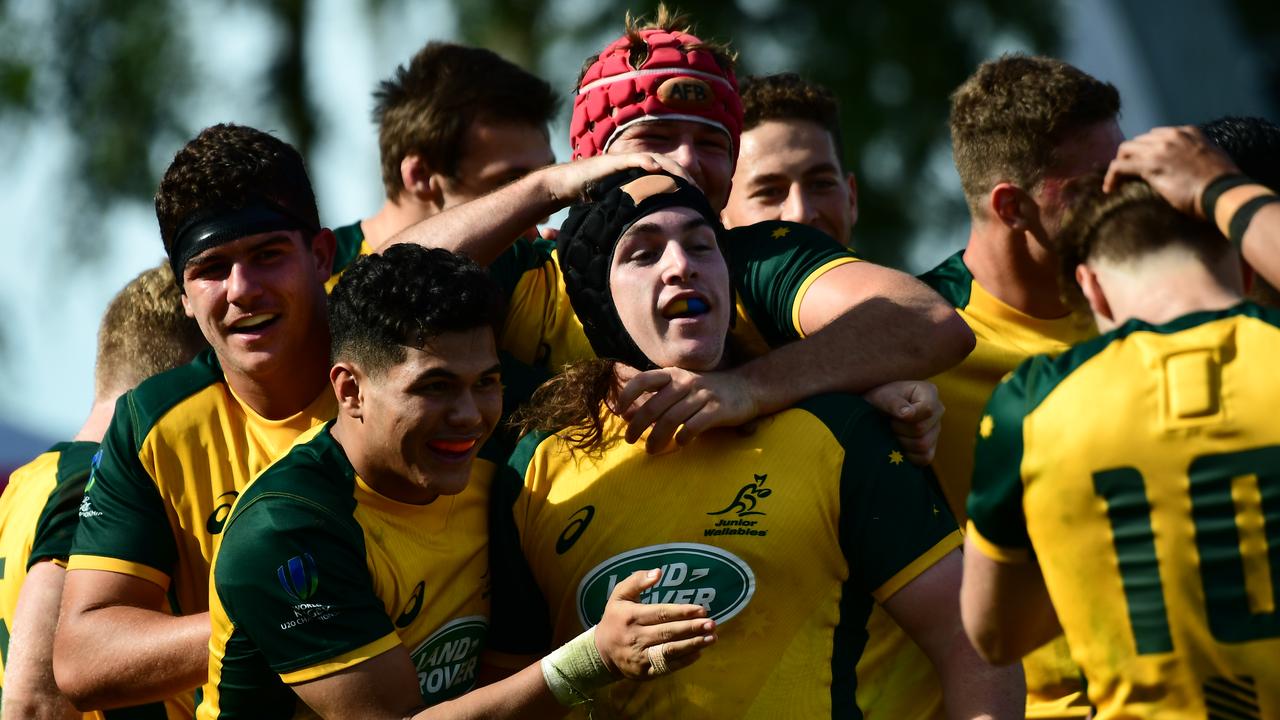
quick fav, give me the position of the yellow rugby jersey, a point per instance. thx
(317, 572)
(180, 448)
(772, 265)
(788, 535)
(1142, 469)
(1005, 337)
(351, 245)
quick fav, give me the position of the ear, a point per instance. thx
(324, 246)
(853, 198)
(186, 304)
(420, 183)
(1092, 289)
(1013, 207)
(345, 378)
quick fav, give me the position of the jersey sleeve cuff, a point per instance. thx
(996, 552)
(809, 281)
(343, 661)
(904, 576)
(116, 565)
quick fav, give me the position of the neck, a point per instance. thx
(395, 216)
(1015, 268)
(290, 387)
(95, 426)
(1163, 288)
(347, 431)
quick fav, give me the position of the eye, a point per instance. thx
(208, 270)
(768, 194)
(489, 382)
(434, 388)
(824, 184)
(642, 256)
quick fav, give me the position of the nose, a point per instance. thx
(465, 411)
(242, 285)
(685, 152)
(676, 264)
(797, 208)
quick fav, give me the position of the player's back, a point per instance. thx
(1151, 490)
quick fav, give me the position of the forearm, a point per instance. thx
(877, 342)
(118, 656)
(1261, 246)
(524, 694)
(29, 687)
(972, 689)
(484, 228)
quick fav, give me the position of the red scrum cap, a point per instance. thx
(671, 84)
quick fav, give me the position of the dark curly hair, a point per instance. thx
(787, 96)
(1253, 144)
(1010, 117)
(404, 297)
(426, 106)
(227, 167)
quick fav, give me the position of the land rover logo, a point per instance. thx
(691, 573)
(447, 660)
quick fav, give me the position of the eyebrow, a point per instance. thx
(767, 178)
(654, 228)
(436, 373)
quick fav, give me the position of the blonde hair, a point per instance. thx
(143, 332)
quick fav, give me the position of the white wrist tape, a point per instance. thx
(575, 670)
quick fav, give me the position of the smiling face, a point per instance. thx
(788, 170)
(422, 420)
(705, 152)
(670, 285)
(259, 300)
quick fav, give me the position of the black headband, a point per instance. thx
(587, 240)
(210, 229)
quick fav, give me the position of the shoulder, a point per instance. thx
(840, 412)
(146, 404)
(778, 241)
(526, 449)
(951, 279)
(313, 483)
(350, 238)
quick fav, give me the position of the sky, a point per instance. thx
(53, 305)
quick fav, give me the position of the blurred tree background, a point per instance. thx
(120, 69)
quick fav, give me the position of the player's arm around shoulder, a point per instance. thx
(115, 644)
(1006, 609)
(902, 540)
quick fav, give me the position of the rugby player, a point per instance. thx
(454, 123)
(790, 166)
(1021, 129)
(787, 532)
(657, 97)
(143, 332)
(239, 224)
(1127, 490)
(351, 575)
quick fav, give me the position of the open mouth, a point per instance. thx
(686, 308)
(253, 323)
(453, 449)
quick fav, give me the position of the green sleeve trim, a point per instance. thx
(995, 497)
(952, 280)
(350, 238)
(523, 256)
(292, 570)
(520, 619)
(159, 394)
(122, 515)
(891, 512)
(769, 263)
(56, 527)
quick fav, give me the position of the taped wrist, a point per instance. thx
(575, 670)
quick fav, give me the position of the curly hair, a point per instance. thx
(404, 297)
(1010, 117)
(1253, 144)
(1130, 221)
(227, 167)
(144, 331)
(669, 20)
(426, 106)
(787, 96)
(572, 405)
